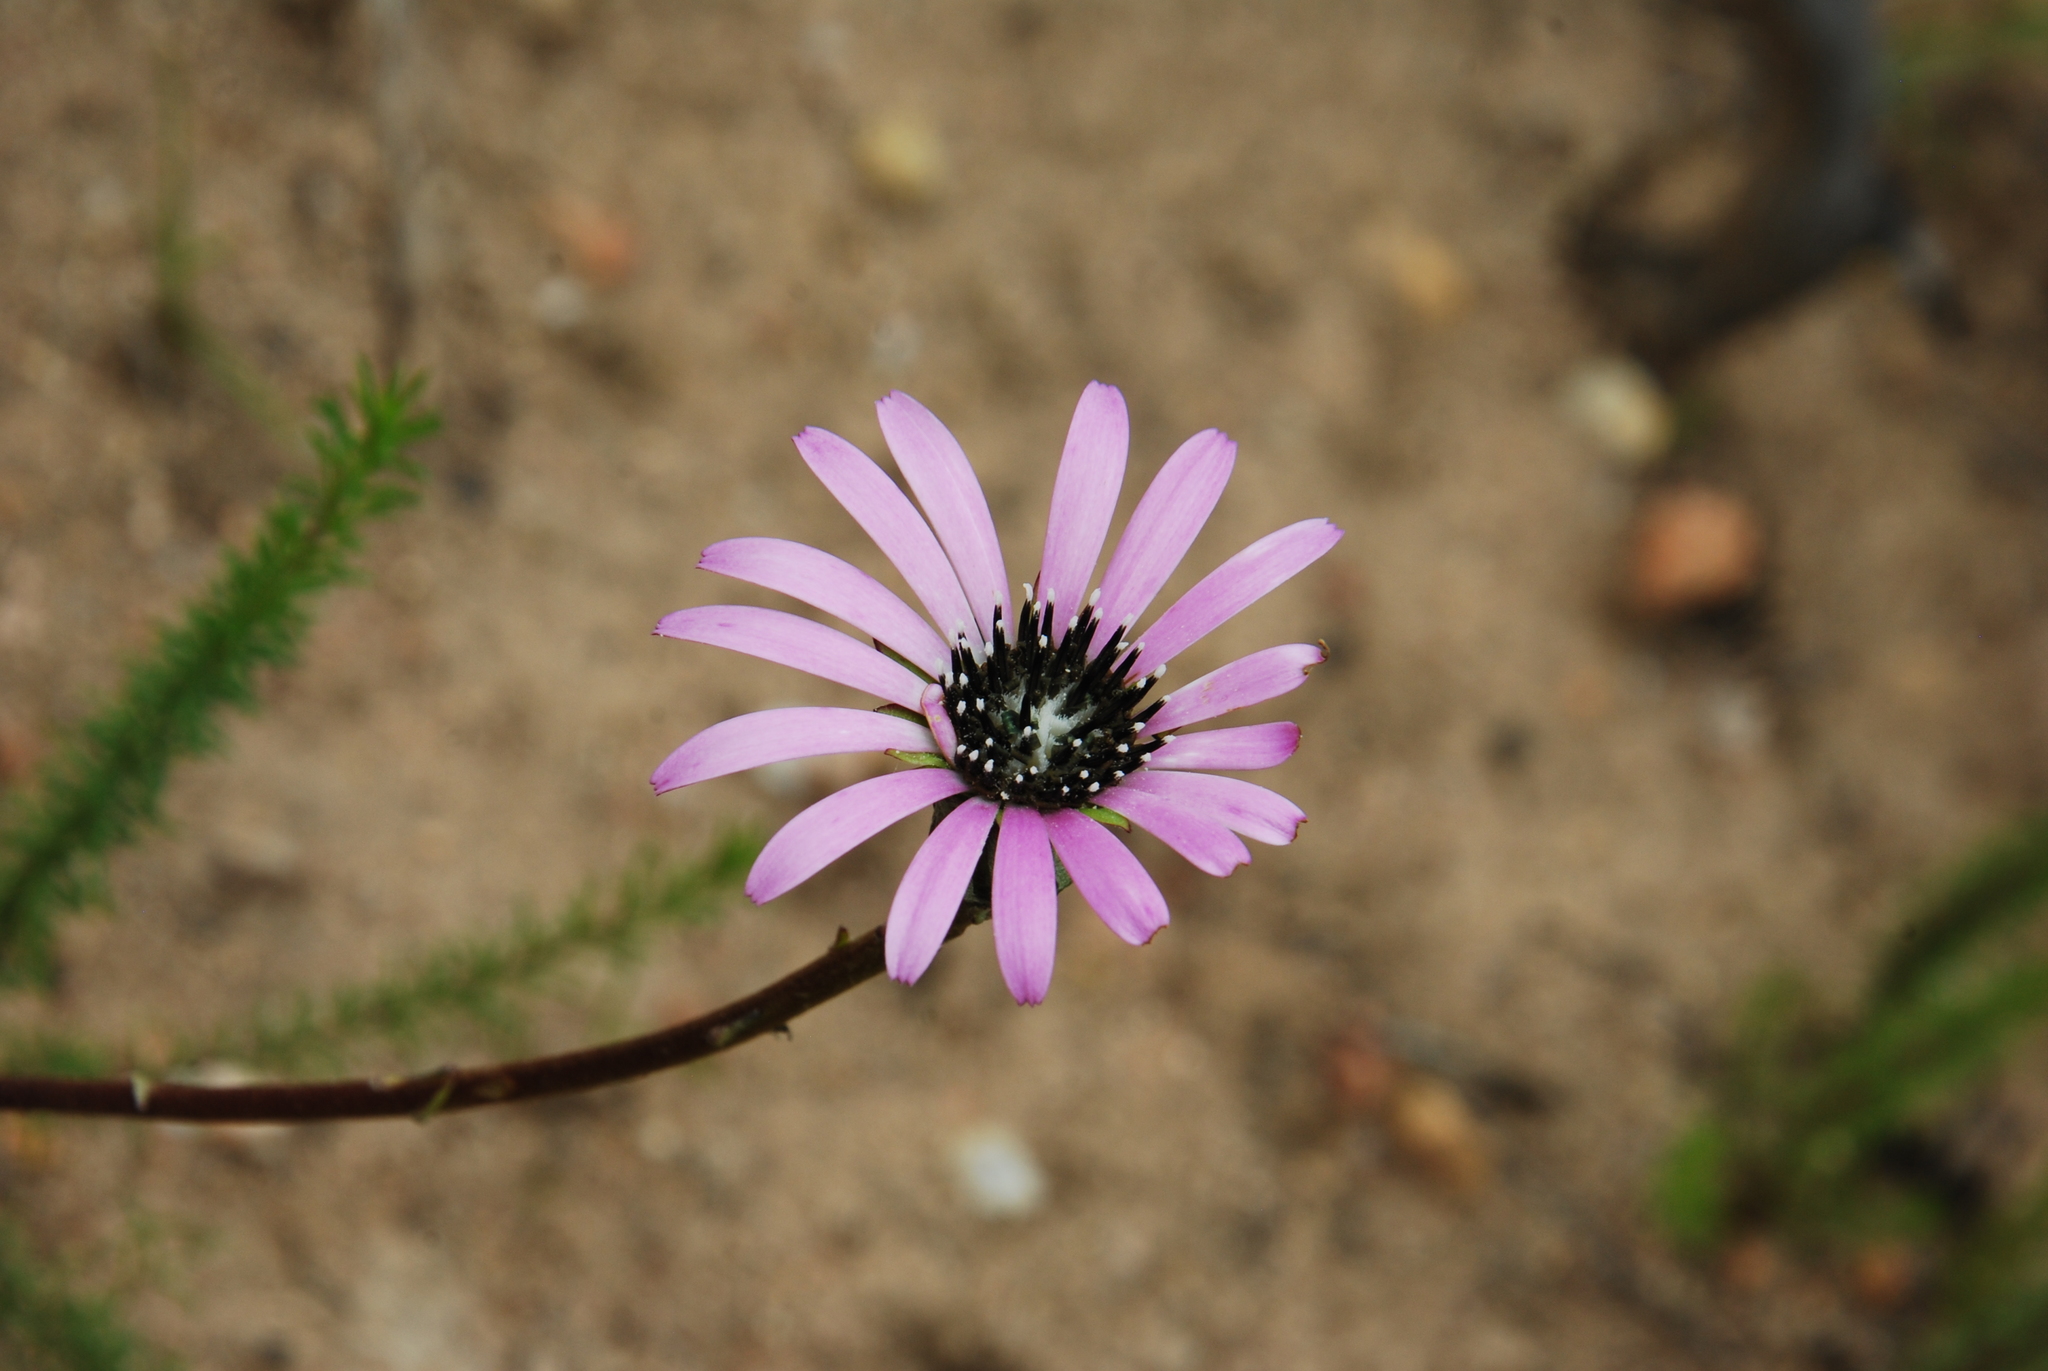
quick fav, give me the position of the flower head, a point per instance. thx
(1034, 719)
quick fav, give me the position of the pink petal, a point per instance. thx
(933, 704)
(840, 589)
(1246, 681)
(1026, 904)
(1252, 748)
(840, 822)
(777, 637)
(932, 886)
(1230, 588)
(892, 521)
(1112, 880)
(939, 475)
(781, 735)
(1252, 810)
(1207, 844)
(1084, 498)
(1176, 505)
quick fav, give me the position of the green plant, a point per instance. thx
(97, 792)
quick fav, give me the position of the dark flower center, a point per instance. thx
(1042, 723)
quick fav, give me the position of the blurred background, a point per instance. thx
(1676, 369)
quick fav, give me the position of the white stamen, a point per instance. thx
(1095, 597)
(988, 766)
(975, 755)
(1043, 642)
(1169, 737)
(1032, 770)
(1123, 747)
(1065, 791)
(1084, 775)
(1002, 794)
(1141, 644)
(1117, 776)
(959, 748)
(1073, 623)
(961, 709)
(980, 703)
(1027, 590)
(1094, 787)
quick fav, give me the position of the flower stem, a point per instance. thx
(430, 1094)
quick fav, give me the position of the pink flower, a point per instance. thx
(1027, 718)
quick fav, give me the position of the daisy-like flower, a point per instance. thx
(1032, 718)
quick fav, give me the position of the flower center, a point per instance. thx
(1039, 721)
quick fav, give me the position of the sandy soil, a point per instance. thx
(1546, 846)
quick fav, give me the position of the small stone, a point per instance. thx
(598, 244)
(1693, 549)
(1750, 1264)
(1430, 1123)
(20, 750)
(895, 344)
(997, 1175)
(1360, 1073)
(1885, 1275)
(1422, 271)
(254, 856)
(1618, 404)
(560, 304)
(901, 159)
(26, 1143)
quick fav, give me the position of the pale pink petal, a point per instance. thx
(1084, 498)
(782, 735)
(929, 895)
(1252, 748)
(840, 822)
(889, 518)
(1230, 588)
(1252, 810)
(839, 588)
(933, 705)
(1113, 881)
(1175, 506)
(1207, 844)
(944, 483)
(1026, 905)
(791, 641)
(1246, 681)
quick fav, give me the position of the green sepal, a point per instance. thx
(899, 712)
(918, 758)
(1106, 816)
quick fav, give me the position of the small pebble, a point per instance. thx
(599, 245)
(1618, 404)
(901, 159)
(1430, 1123)
(1360, 1073)
(1423, 271)
(1885, 1275)
(1693, 549)
(1750, 1264)
(997, 1175)
(20, 750)
(560, 304)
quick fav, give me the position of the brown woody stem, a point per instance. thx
(422, 1097)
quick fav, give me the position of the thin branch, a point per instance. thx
(422, 1097)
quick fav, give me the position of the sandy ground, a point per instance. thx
(1544, 845)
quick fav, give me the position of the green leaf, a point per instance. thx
(103, 787)
(1106, 816)
(928, 759)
